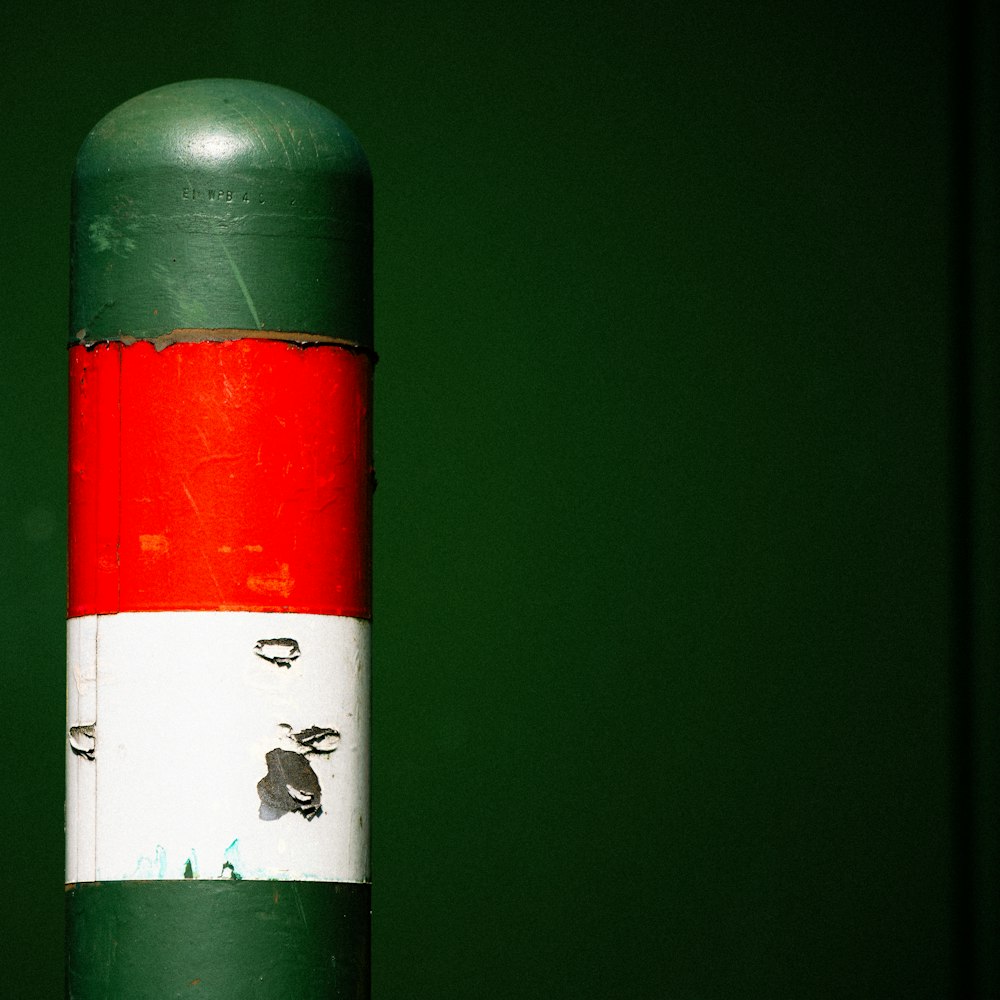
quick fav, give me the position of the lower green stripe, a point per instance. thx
(240, 939)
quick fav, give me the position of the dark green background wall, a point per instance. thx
(667, 630)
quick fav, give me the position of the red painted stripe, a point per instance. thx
(220, 476)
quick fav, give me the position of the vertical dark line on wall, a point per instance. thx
(964, 951)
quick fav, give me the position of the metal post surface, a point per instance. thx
(219, 587)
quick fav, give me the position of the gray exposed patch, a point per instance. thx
(290, 785)
(317, 739)
(280, 652)
(83, 741)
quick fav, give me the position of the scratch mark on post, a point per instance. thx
(256, 131)
(277, 131)
(110, 963)
(240, 282)
(298, 903)
(197, 514)
(194, 506)
(222, 456)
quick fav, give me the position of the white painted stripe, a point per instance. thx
(224, 743)
(81, 711)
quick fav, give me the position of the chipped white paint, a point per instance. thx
(185, 710)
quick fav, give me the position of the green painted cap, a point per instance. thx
(221, 205)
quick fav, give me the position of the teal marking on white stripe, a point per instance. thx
(208, 753)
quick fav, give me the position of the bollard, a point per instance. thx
(219, 585)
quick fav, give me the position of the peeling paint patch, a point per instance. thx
(194, 335)
(318, 739)
(280, 652)
(83, 741)
(290, 785)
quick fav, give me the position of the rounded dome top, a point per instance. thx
(221, 205)
(221, 124)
